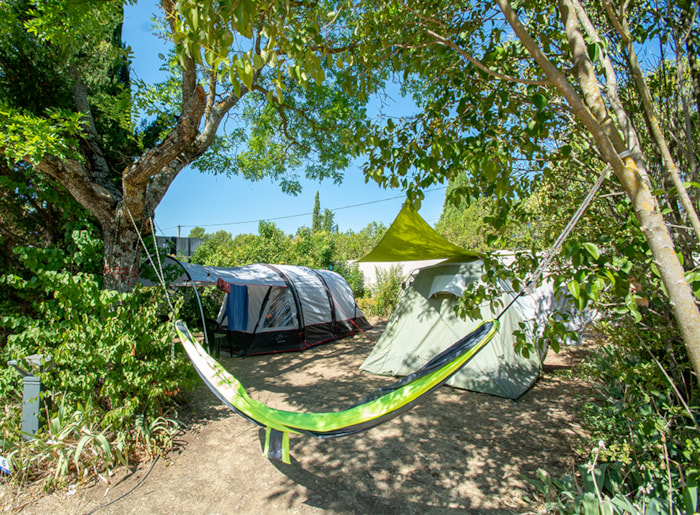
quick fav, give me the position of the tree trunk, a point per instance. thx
(653, 122)
(595, 117)
(691, 45)
(122, 253)
(691, 42)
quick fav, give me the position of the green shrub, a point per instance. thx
(385, 292)
(643, 426)
(367, 305)
(352, 274)
(211, 298)
(114, 369)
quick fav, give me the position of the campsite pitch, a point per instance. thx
(456, 451)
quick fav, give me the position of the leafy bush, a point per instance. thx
(384, 292)
(367, 305)
(644, 417)
(114, 368)
(352, 274)
(596, 489)
(210, 297)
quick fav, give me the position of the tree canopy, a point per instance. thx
(68, 107)
(516, 97)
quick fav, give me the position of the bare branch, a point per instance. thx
(211, 95)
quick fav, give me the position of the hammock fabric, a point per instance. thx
(377, 408)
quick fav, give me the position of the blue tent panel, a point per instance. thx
(237, 308)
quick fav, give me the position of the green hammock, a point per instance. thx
(378, 407)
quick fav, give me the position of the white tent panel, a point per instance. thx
(312, 294)
(343, 299)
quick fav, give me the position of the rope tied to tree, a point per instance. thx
(159, 274)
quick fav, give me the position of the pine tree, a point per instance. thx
(316, 216)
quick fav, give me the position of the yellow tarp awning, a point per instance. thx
(410, 238)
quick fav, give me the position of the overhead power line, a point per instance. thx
(243, 222)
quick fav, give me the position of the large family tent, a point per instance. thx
(424, 322)
(276, 308)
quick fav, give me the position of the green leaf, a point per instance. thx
(594, 51)
(624, 504)
(690, 496)
(258, 61)
(79, 450)
(246, 74)
(490, 170)
(590, 504)
(592, 249)
(574, 288)
(540, 101)
(631, 303)
(226, 40)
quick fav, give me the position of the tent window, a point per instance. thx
(279, 311)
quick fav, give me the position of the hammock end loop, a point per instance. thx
(277, 445)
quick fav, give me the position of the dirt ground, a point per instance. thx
(457, 451)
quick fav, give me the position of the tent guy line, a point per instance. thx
(286, 217)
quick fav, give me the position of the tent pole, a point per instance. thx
(201, 312)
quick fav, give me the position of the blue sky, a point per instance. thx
(236, 205)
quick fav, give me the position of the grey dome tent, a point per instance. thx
(276, 308)
(424, 322)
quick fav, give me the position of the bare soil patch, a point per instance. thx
(457, 451)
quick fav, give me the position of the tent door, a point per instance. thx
(237, 308)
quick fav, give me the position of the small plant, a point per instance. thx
(596, 489)
(72, 444)
(155, 436)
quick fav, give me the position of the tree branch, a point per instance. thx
(480, 65)
(100, 169)
(174, 143)
(451, 44)
(612, 90)
(77, 180)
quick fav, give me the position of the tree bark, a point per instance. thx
(595, 117)
(611, 90)
(692, 39)
(122, 253)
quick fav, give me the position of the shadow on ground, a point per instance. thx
(456, 451)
